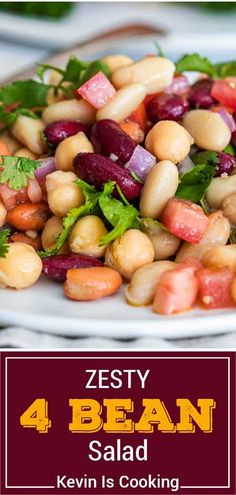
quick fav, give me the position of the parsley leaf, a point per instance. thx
(16, 171)
(4, 246)
(26, 94)
(195, 63)
(193, 184)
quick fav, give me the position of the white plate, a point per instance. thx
(44, 308)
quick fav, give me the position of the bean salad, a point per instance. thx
(121, 171)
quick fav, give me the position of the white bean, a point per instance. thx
(156, 73)
(69, 148)
(168, 140)
(216, 234)
(25, 152)
(3, 214)
(70, 110)
(141, 289)
(123, 103)
(229, 207)
(161, 184)
(219, 189)
(115, 61)
(208, 129)
(29, 132)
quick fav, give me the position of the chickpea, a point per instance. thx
(51, 231)
(160, 185)
(69, 148)
(116, 61)
(3, 214)
(156, 73)
(219, 189)
(63, 193)
(168, 140)
(70, 110)
(130, 251)
(29, 132)
(229, 207)
(221, 256)
(21, 268)
(86, 236)
(208, 129)
(216, 234)
(141, 289)
(123, 103)
(25, 152)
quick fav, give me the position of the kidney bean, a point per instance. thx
(167, 107)
(97, 169)
(62, 129)
(200, 94)
(226, 164)
(55, 267)
(233, 137)
(28, 216)
(107, 137)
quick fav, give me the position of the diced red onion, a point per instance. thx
(185, 165)
(141, 162)
(179, 86)
(47, 167)
(228, 118)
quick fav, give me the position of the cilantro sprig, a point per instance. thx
(4, 246)
(193, 184)
(120, 214)
(194, 62)
(17, 171)
(76, 72)
(26, 94)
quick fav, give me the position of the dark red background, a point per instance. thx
(36, 459)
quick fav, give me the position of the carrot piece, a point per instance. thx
(4, 149)
(140, 116)
(88, 284)
(133, 130)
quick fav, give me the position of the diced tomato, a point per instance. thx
(98, 90)
(139, 116)
(8, 196)
(191, 264)
(149, 98)
(176, 292)
(225, 92)
(215, 288)
(22, 196)
(34, 191)
(185, 219)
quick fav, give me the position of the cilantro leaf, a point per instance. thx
(195, 63)
(4, 246)
(26, 94)
(93, 69)
(193, 184)
(230, 150)
(232, 237)
(42, 68)
(17, 170)
(74, 69)
(9, 118)
(209, 157)
(225, 69)
(160, 52)
(120, 216)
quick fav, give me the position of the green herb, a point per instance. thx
(121, 216)
(9, 118)
(232, 237)
(136, 177)
(4, 246)
(193, 184)
(160, 52)
(43, 9)
(76, 72)
(26, 94)
(16, 171)
(195, 63)
(225, 69)
(230, 150)
(206, 157)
